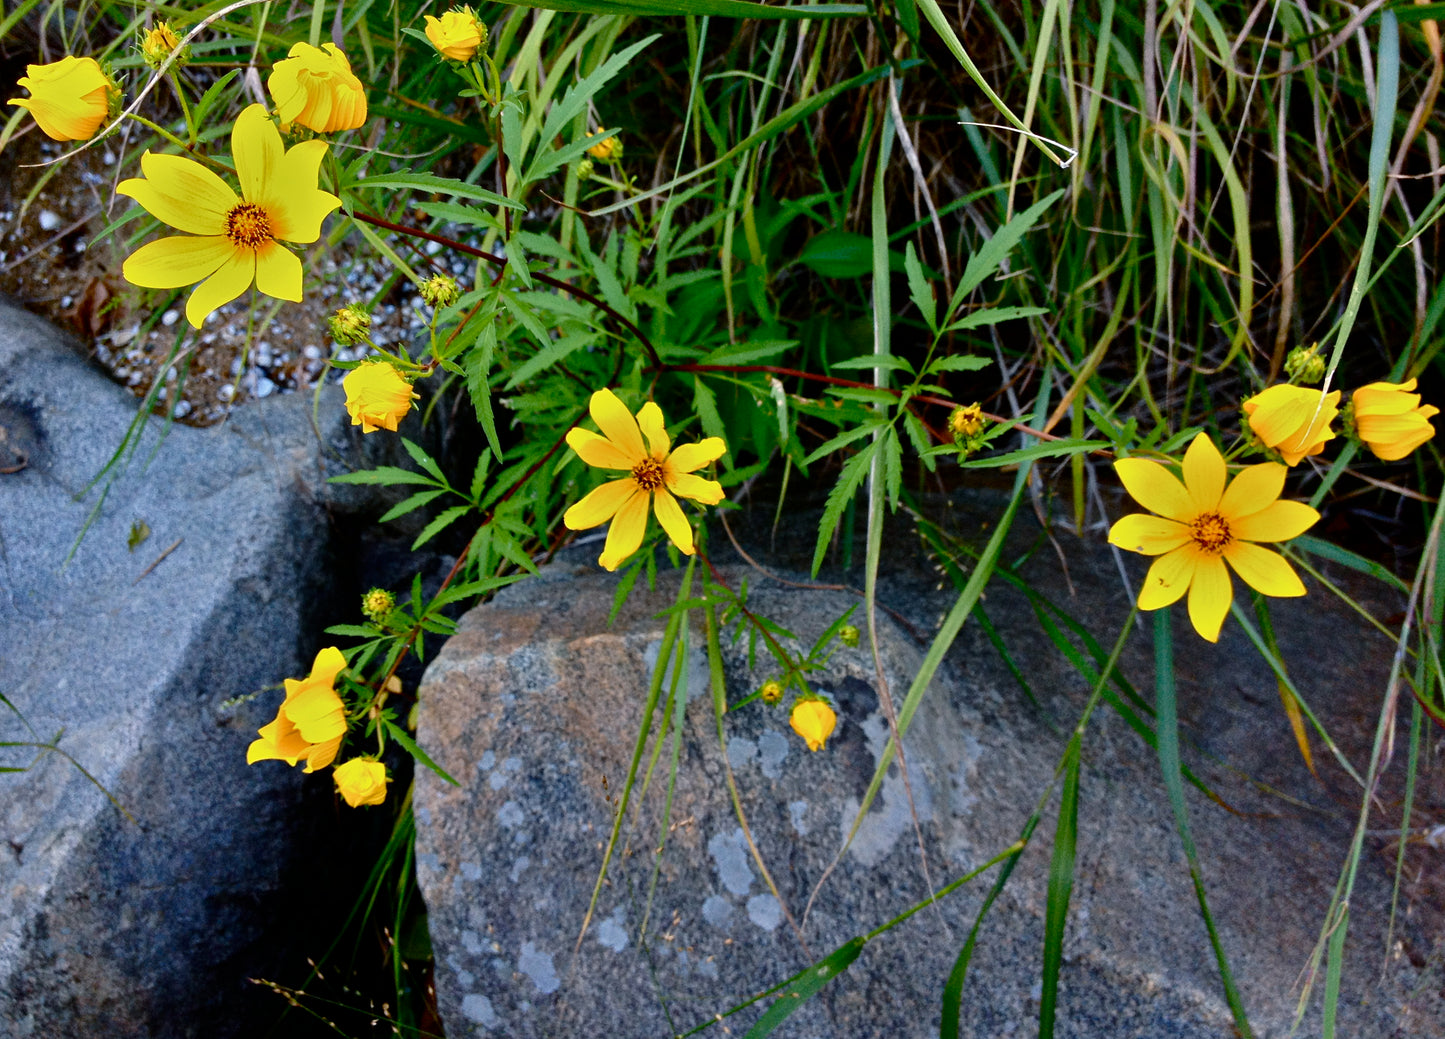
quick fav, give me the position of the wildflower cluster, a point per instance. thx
(1295, 422)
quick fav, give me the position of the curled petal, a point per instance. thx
(669, 514)
(597, 450)
(625, 534)
(1266, 572)
(1210, 593)
(689, 458)
(1168, 578)
(1278, 521)
(1148, 535)
(329, 663)
(323, 754)
(1155, 488)
(688, 485)
(649, 418)
(617, 424)
(1204, 474)
(1253, 489)
(601, 504)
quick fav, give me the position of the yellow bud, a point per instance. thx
(157, 44)
(814, 720)
(771, 692)
(609, 150)
(377, 396)
(350, 325)
(361, 781)
(377, 604)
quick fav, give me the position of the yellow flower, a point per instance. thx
(771, 691)
(239, 238)
(311, 721)
(361, 781)
(156, 44)
(377, 603)
(1201, 523)
(69, 98)
(458, 34)
(655, 474)
(814, 720)
(314, 86)
(966, 422)
(609, 150)
(1391, 420)
(1293, 420)
(377, 396)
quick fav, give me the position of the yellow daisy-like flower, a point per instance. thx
(239, 239)
(609, 150)
(1201, 523)
(69, 98)
(361, 781)
(1391, 420)
(311, 721)
(655, 472)
(814, 720)
(377, 396)
(157, 43)
(1293, 420)
(314, 86)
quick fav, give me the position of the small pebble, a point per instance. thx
(311, 352)
(265, 387)
(108, 157)
(226, 392)
(170, 317)
(235, 366)
(66, 301)
(181, 410)
(48, 220)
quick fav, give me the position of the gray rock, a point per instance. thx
(535, 704)
(148, 925)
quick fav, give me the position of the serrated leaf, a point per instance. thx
(408, 744)
(355, 631)
(993, 252)
(385, 476)
(992, 316)
(423, 459)
(854, 470)
(892, 465)
(843, 439)
(957, 363)
(888, 362)
(478, 366)
(416, 501)
(436, 526)
(918, 288)
(405, 180)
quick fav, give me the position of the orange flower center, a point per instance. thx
(648, 474)
(248, 226)
(1210, 533)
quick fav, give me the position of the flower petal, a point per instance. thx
(669, 514)
(649, 418)
(1253, 489)
(278, 272)
(1204, 474)
(1278, 521)
(692, 457)
(1268, 573)
(323, 753)
(258, 152)
(597, 450)
(1149, 535)
(1210, 593)
(601, 504)
(626, 532)
(1168, 578)
(293, 201)
(687, 485)
(329, 663)
(1155, 488)
(617, 424)
(181, 193)
(169, 263)
(230, 280)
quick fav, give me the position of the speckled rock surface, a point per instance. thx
(534, 707)
(111, 927)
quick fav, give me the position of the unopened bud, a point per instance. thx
(848, 635)
(377, 604)
(350, 325)
(1305, 365)
(771, 692)
(440, 291)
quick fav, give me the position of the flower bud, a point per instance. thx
(1304, 365)
(377, 604)
(848, 635)
(609, 150)
(361, 781)
(458, 34)
(814, 720)
(69, 98)
(157, 44)
(1389, 419)
(1292, 420)
(771, 691)
(439, 291)
(350, 325)
(377, 396)
(314, 87)
(585, 169)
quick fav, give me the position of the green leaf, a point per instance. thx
(992, 316)
(993, 252)
(888, 362)
(478, 366)
(416, 501)
(423, 459)
(385, 476)
(436, 526)
(841, 254)
(427, 182)
(408, 744)
(1061, 887)
(854, 470)
(805, 984)
(918, 288)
